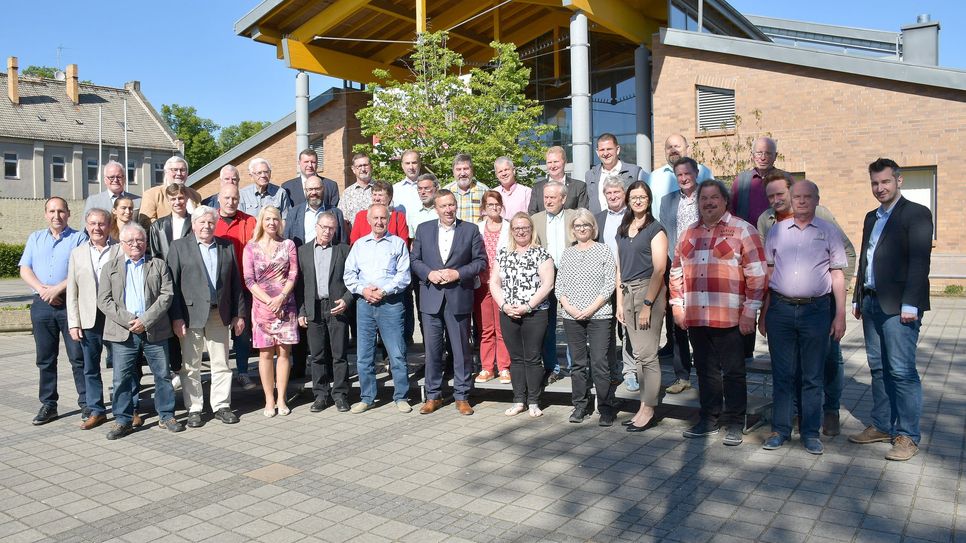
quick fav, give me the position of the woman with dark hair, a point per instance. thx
(122, 214)
(641, 259)
(495, 233)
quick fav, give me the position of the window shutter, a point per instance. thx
(716, 109)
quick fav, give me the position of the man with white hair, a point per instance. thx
(516, 197)
(228, 175)
(209, 300)
(262, 192)
(114, 189)
(154, 203)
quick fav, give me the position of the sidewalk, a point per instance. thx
(385, 476)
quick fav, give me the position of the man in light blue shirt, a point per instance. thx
(262, 192)
(663, 181)
(405, 192)
(43, 267)
(377, 273)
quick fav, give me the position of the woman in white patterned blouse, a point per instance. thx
(585, 283)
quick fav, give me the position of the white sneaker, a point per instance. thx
(175, 381)
(245, 382)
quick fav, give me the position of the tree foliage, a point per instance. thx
(730, 154)
(441, 112)
(45, 72)
(231, 136)
(198, 133)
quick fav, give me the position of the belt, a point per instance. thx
(797, 301)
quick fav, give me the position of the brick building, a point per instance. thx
(333, 131)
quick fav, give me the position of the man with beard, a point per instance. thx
(467, 190)
(664, 181)
(301, 219)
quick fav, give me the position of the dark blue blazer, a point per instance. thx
(466, 257)
(295, 225)
(296, 193)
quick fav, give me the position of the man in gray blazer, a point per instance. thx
(135, 294)
(114, 184)
(84, 320)
(608, 151)
(208, 300)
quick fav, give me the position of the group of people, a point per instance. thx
(289, 269)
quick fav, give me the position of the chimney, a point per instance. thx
(13, 83)
(920, 41)
(73, 91)
(133, 86)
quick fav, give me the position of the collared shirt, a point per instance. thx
(355, 198)
(383, 263)
(98, 259)
(469, 202)
(718, 273)
(405, 196)
(663, 181)
(423, 214)
(134, 286)
(251, 200)
(323, 269)
(687, 212)
(881, 219)
(177, 226)
(802, 257)
(444, 239)
(48, 256)
(237, 229)
(311, 217)
(604, 174)
(515, 199)
(556, 236)
(611, 224)
(209, 255)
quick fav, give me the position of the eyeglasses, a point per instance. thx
(133, 242)
(265, 173)
(582, 226)
(178, 170)
(639, 198)
(493, 206)
(521, 229)
(114, 177)
(762, 154)
(324, 228)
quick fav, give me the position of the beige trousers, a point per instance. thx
(214, 339)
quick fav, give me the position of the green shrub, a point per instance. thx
(10, 254)
(954, 290)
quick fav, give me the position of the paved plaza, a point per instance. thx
(386, 476)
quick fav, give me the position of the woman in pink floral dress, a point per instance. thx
(271, 268)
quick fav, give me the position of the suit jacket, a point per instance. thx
(297, 194)
(192, 302)
(82, 287)
(540, 227)
(154, 204)
(629, 173)
(160, 235)
(669, 218)
(102, 200)
(305, 293)
(158, 297)
(295, 225)
(466, 256)
(901, 264)
(576, 195)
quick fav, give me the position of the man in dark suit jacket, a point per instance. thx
(891, 295)
(296, 228)
(610, 163)
(576, 189)
(447, 282)
(323, 312)
(208, 300)
(308, 166)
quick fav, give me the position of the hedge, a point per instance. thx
(9, 258)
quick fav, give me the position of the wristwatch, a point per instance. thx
(648, 303)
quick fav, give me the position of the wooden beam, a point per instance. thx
(266, 35)
(420, 16)
(496, 24)
(325, 20)
(617, 16)
(337, 64)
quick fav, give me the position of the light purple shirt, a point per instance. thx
(802, 258)
(514, 200)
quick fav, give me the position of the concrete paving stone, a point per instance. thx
(739, 527)
(762, 502)
(937, 506)
(24, 536)
(872, 536)
(147, 533)
(200, 532)
(778, 535)
(801, 510)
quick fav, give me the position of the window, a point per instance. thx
(919, 185)
(11, 168)
(716, 109)
(158, 174)
(58, 170)
(318, 146)
(131, 172)
(92, 168)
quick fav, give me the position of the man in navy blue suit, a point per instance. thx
(447, 257)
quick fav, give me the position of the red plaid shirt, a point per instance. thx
(718, 273)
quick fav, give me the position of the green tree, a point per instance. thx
(230, 136)
(730, 154)
(196, 132)
(440, 113)
(46, 72)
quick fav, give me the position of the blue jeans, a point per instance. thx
(834, 376)
(126, 358)
(243, 348)
(50, 325)
(92, 345)
(890, 346)
(550, 361)
(387, 318)
(798, 342)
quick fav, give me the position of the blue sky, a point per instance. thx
(186, 52)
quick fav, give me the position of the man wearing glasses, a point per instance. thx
(262, 192)
(154, 204)
(114, 185)
(748, 199)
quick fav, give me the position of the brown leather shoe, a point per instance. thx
(93, 421)
(870, 435)
(137, 421)
(902, 449)
(463, 407)
(429, 406)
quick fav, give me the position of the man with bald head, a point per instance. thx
(663, 180)
(227, 176)
(803, 307)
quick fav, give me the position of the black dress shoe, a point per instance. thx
(650, 424)
(319, 405)
(46, 414)
(119, 430)
(342, 405)
(194, 420)
(628, 422)
(606, 419)
(226, 416)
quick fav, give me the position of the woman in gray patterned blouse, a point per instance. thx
(585, 282)
(520, 283)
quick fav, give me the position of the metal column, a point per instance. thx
(580, 94)
(642, 106)
(301, 112)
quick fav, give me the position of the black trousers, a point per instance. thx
(590, 365)
(524, 342)
(720, 364)
(328, 336)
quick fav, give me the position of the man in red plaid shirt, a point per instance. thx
(717, 286)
